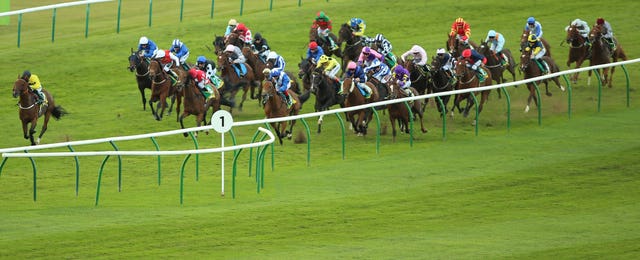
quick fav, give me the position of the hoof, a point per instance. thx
(526, 109)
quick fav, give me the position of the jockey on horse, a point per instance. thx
(209, 67)
(236, 57)
(401, 78)
(148, 46)
(357, 26)
(282, 83)
(384, 47)
(537, 51)
(260, 47)
(323, 25)
(331, 67)
(202, 82)
(277, 61)
(314, 52)
(420, 58)
(475, 61)
(168, 59)
(35, 85)
(446, 61)
(461, 28)
(231, 26)
(244, 34)
(355, 71)
(372, 61)
(496, 42)
(181, 51)
(607, 33)
(583, 28)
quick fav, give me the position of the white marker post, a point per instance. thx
(222, 121)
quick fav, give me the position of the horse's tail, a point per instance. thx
(58, 112)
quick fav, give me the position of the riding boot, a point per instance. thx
(174, 75)
(287, 98)
(40, 96)
(505, 60)
(185, 66)
(367, 89)
(407, 91)
(334, 46)
(546, 66)
(481, 74)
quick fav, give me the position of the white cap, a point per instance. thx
(440, 51)
(272, 55)
(233, 22)
(143, 40)
(230, 48)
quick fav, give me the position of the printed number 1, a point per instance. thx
(222, 119)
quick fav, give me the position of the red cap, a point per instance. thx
(313, 45)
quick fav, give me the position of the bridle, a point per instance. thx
(156, 75)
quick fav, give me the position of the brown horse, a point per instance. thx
(305, 68)
(353, 45)
(326, 95)
(601, 54)
(139, 64)
(494, 63)
(232, 82)
(30, 111)
(257, 65)
(531, 70)
(234, 39)
(399, 112)
(353, 97)
(322, 42)
(218, 44)
(161, 88)
(525, 37)
(276, 106)
(195, 103)
(467, 79)
(455, 46)
(578, 49)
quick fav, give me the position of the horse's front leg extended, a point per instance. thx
(32, 131)
(24, 129)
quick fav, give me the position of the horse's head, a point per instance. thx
(268, 91)
(573, 36)
(525, 58)
(316, 80)
(218, 44)
(344, 34)
(234, 39)
(133, 61)
(596, 33)
(156, 72)
(304, 68)
(20, 87)
(451, 43)
(483, 48)
(223, 61)
(347, 86)
(137, 61)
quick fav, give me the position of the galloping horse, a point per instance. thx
(326, 45)
(467, 78)
(601, 54)
(532, 70)
(326, 95)
(30, 111)
(161, 88)
(275, 106)
(399, 112)
(218, 44)
(455, 46)
(353, 45)
(195, 103)
(578, 49)
(257, 65)
(305, 68)
(440, 82)
(234, 39)
(353, 97)
(494, 63)
(232, 82)
(140, 65)
(525, 38)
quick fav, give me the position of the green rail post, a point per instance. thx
(181, 9)
(241, 6)
(184, 162)
(150, 11)
(104, 161)
(233, 176)
(268, 126)
(377, 130)
(119, 166)
(299, 3)
(568, 95)
(535, 85)
(506, 94)
(306, 127)
(599, 88)
(19, 28)
(343, 133)
(53, 24)
(153, 139)
(4, 160)
(253, 139)
(270, 5)
(626, 74)
(86, 22)
(77, 170)
(35, 177)
(212, 4)
(410, 123)
(118, 20)
(233, 139)
(195, 144)
(444, 117)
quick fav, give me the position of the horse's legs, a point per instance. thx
(47, 116)
(180, 119)
(32, 130)
(24, 129)
(532, 96)
(179, 102)
(173, 100)
(393, 126)
(244, 97)
(144, 99)
(611, 76)
(276, 127)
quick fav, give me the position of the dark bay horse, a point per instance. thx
(195, 103)
(494, 63)
(322, 42)
(578, 49)
(218, 44)
(325, 90)
(161, 88)
(30, 111)
(467, 79)
(455, 46)
(524, 38)
(601, 54)
(305, 68)
(275, 106)
(257, 65)
(399, 112)
(353, 45)
(232, 82)
(440, 82)
(531, 70)
(353, 97)
(139, 64)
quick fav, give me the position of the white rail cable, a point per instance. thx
(47, 7)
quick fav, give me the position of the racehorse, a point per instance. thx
(140, 65)
(195, 103)
(234, 39)
(326, 95)
(440, 82)
(218, 44)
(532, 70)
(161, 88)
(258, 65)
(353, 97)
(353, 45)
(494, 63)
(305, 68)
(467, 78)
(601, 54)
(30, 111)
(322, 42)
(525, 38)
(578, 49)
(455, 46)
(276, 106)
(295, 86)
(233, 82)
(399, 112)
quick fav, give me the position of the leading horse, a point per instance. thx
(139, 64)
(468, 78)
(601, 54)
(326, 95)
(578, 49)
(532, 70)
(30, 111)
(195, 103)
(456, 46)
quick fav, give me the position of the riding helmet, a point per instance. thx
(531, 20)
(466, 53)
(26, 74)
(201, 59)
(143, 40)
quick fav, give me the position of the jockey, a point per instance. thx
(330, 66)
(244, 33)
(582, 26)
(460, 28)
(358, 75)
(607, 34)
(277, 61)
(231, 26)
(146, 45)
(537, 51)
(260, 47)
(323, 25)
(446, 62)
(181, 51)
(401, 77)
(475, 61)
(314, 52)
(357, 26)
(496, 43)
(236, 57)
(35, 85)
(372, 61)
(384, 47)
(209, 67)
(420, 58)
(368, 55)
(282, 84)
(167, 59)
(202, 81)
(534, 26)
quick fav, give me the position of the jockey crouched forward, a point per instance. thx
(236, 57)
(401, 78)
(475, 61)
(359, 77)
(35, 85)
(202, 82)
(282, 83)
(330, 67)
(168, 59)
(209, 67)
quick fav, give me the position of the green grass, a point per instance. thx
(566, 189)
